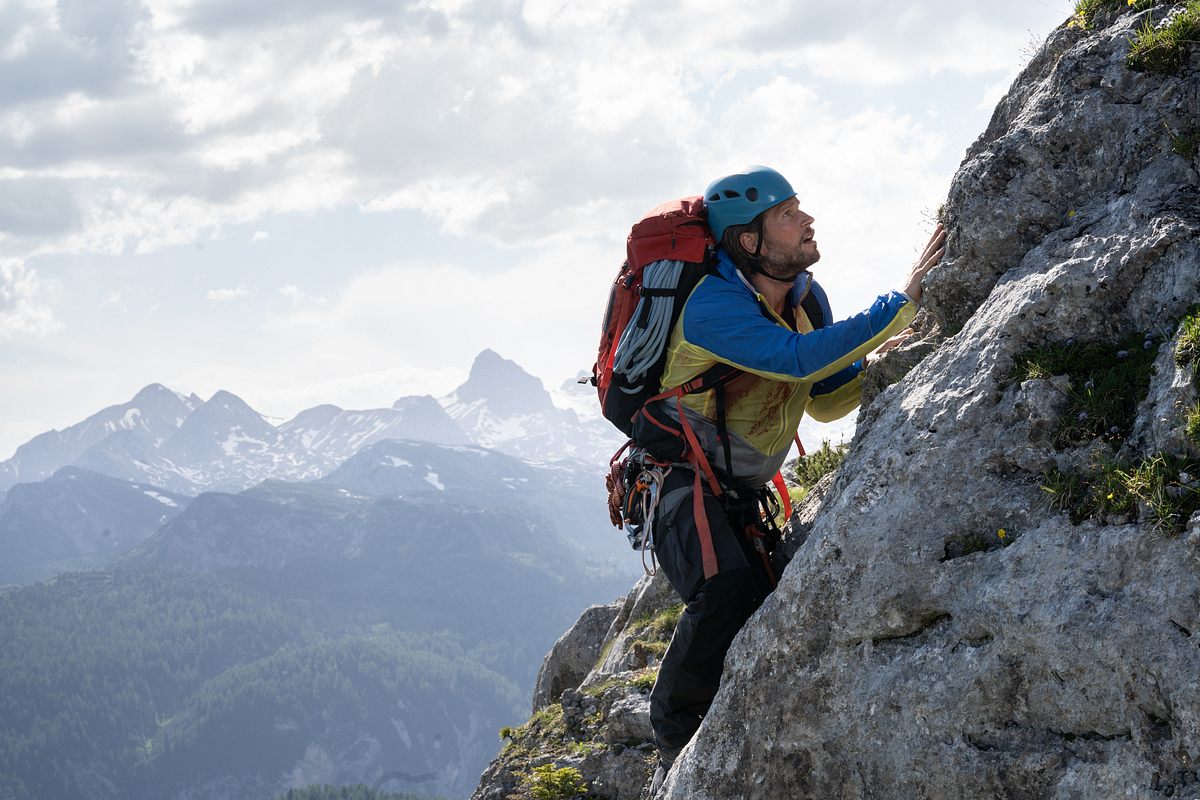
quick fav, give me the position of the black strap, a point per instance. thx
(722, 428)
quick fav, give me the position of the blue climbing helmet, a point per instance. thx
(738, 198)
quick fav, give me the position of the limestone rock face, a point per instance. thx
(942, 632)
(599, 725)
(573, 655)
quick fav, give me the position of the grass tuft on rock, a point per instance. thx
(661, 624)
(1164, 49)
(1191, 424)
(1161, 490)
(1106, 384)
(545, 732)
(1087, 10)
(1187, 342)
(1185, 143)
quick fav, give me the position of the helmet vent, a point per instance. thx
(752, 194)
(730, 194)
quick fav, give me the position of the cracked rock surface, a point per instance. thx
(942, 632)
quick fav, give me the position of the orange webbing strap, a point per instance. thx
(784, 498)
(707, 554)
(697, 457)
(700, 466)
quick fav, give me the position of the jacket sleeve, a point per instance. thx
(727, 324)
(837, 395)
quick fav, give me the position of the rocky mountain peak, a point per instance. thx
(154, 391)
(507, 389)
(228, 401)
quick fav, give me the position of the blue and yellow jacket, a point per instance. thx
(811, 365)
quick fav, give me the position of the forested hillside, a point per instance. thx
(135, 684)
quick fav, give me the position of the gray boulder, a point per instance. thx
(573, 655)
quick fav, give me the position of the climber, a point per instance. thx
(763, 313)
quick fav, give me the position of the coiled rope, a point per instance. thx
(640, 346)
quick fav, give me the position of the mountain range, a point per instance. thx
(189, 445)
(340, 598)
(180, 446)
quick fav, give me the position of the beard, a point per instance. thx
(786, 266)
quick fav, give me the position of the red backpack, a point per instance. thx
(674, 244)
(667, 253)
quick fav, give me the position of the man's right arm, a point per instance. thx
(727, 325)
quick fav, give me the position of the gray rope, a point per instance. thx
(640, 347)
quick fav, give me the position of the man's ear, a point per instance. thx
(749, 241)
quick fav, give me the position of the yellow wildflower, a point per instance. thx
(1001, 533)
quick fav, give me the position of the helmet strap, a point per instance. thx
(756, 257)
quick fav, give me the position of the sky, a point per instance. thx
(344, 201)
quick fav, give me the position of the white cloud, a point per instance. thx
(504, 122)
(299, 298)
(20, 308)
(114, 300)
(225, 295)
(544, 127)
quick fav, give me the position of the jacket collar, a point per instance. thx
(729, 271)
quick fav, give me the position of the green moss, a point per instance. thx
(585, 749)
(642, 681)
(659, 625)
(645, 680)
(1161, 490)
(806, 471)
(1165, 49)
(651, 633)
(549, 782)
(1106, 384)
(545, 732)
(597, 689)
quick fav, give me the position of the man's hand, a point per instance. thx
(897, 340)
(928, 260)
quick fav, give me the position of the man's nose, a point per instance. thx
(809, 219)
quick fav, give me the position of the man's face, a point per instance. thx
(789, 246)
